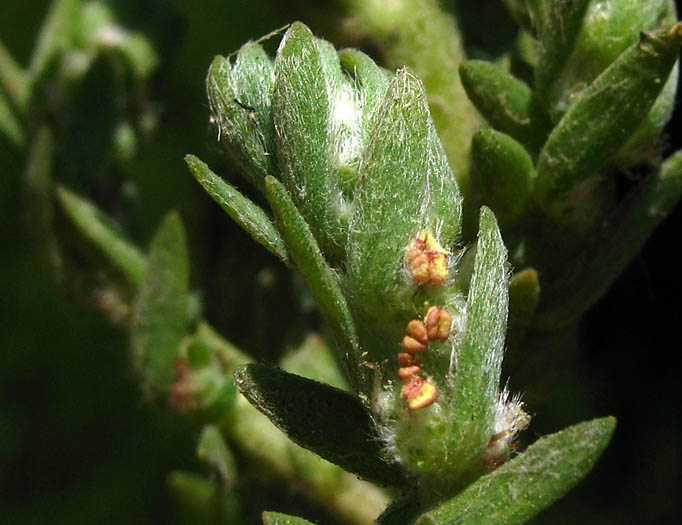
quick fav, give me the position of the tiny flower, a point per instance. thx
(419, 393)
(412, 345)
(408, 359)
(405, 373)
(426, 260)
(417, 330)
(437, 323)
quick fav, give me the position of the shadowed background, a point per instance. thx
(78, 444)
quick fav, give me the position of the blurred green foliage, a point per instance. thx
(78, 444)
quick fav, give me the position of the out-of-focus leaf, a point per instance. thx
(277, 518)
(326, 420)
(9, 124)
(161, 313)
(613, 247)
(56, 34)
(531, 482)
(213, 451)
(13, 79)
(100, 231)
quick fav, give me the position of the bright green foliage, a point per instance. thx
(521, 488)
(161, 319)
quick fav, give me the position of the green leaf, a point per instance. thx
(531, 482)
(201, 501)
(507, 103)
(607, 29)
(505, 172)
(323, 282)
(9, 124)
(326, 420)
(240, 97)
(56, 35)
(600, 122)
(251, 217)
(13, 80)
(609, 251)
(277, 518)
(557, 25)
(101, 231)
(405, 187)
(308, 81)
(161, 314)
(212, 450)
(480, 357)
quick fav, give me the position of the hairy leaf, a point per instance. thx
(531, 482)
(161, 314)
(251, 217)
(326, 420)
(479, 360)
(600, 122)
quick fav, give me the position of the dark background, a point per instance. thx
(77, 444)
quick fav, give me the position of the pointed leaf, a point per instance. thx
(10, 126)
(531, 482)
(240, 97)
(479, 360)
(251, 217)
(101, 232)
(13, 79)
(212, 450)
(308, 80)
(323, 283)
(600, 122)
(613, 247)
(56, 34)
(505, 172)
(161, 314)
(277, 518)
(557, 25)
(506, 103)
(326, 420)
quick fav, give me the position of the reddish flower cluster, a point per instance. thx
(417, 391)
